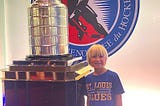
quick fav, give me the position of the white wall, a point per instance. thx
(16, 29)
(2, 46)
(137, 62)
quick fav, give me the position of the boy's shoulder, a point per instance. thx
(111, 72)
(107, 73)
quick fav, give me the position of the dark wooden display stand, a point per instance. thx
(39, 93)
(43, 82)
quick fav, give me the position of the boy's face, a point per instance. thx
(98, 62)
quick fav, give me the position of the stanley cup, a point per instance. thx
(48, 28)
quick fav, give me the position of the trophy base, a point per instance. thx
(37, 93)
(59, 68)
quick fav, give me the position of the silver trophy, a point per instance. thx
(49, 59)
(48, 28)
(49, 70)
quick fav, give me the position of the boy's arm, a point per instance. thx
(118, 100)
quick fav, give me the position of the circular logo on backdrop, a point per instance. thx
(106, 22)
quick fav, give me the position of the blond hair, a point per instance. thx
(96, 50)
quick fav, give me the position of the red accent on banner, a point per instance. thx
(65, 2)
(80, 31)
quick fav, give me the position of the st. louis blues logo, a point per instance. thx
(107, 22)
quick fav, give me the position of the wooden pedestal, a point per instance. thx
(43, 93)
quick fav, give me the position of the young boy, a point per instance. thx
(103, 86)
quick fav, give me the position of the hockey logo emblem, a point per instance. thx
(107, 22)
